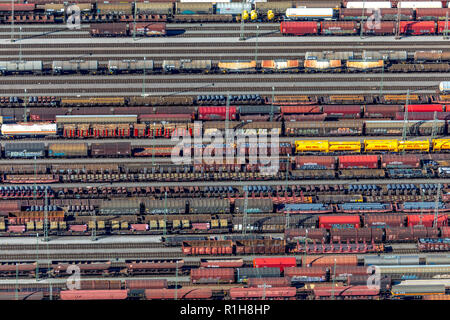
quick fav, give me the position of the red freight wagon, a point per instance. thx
(445, 232)
(432, 13)
(300, 109)
(139, 227)
(382, 111)
(345, 291)
(426, 108)
(342, 111)
(93, 294)
(341, 221)
(212, 275)
(78, 227)
(18, 7)
(232, 263)
(299, 28)
(216, 113)
(268, 282)
(259, 293)
(274, 263)
(358, 162)
(183, 293)
(16, 228)
(146, 284)
(441, 26)
(338, 27)
(417, 27)
(382, 28)
(427, 220)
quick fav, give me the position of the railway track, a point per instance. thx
(157, 255)
(227, 78)
(81, 246)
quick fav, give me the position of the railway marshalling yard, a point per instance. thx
(133, 220)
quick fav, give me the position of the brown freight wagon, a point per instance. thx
(100, 284)
(208, 247)
(338, 27)
(315, 162)
(384, 220)
(146, 284)
(260, 247)
(330, 260)
(161, 101)
(114, 8)
(319, 234)
(7, 206)
(268, 282)
(331, 128)
(148, 29)
(382, 111)
(116, 29)
(212, 275)
(119, 149)
(400, 161)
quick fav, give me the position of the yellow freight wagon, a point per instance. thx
(441, 144)
(381, 145)
(311, 145)
(422, 145)
(364, 65)
(351, 146)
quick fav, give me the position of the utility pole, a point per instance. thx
(176, 281)
(434, 128)
(382, 78)
(271, 106)
(446, 26)
(242, 37)
(134, 25)
(12, 21)
(244, 217)
(334, 280)
(17, 282)
(37, 257)
(256, 43)
(143, 80)
(165, 215)
(397, 29)
(20, 44)
(25, 108)
(46, 239)
(436, 206)
(94, 227)
(227, 114)
(405, 121)
(361, 33)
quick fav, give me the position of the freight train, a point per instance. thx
(389, 61)
(184, 12)
(204, 100)
(348, 28)
(318, 147)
